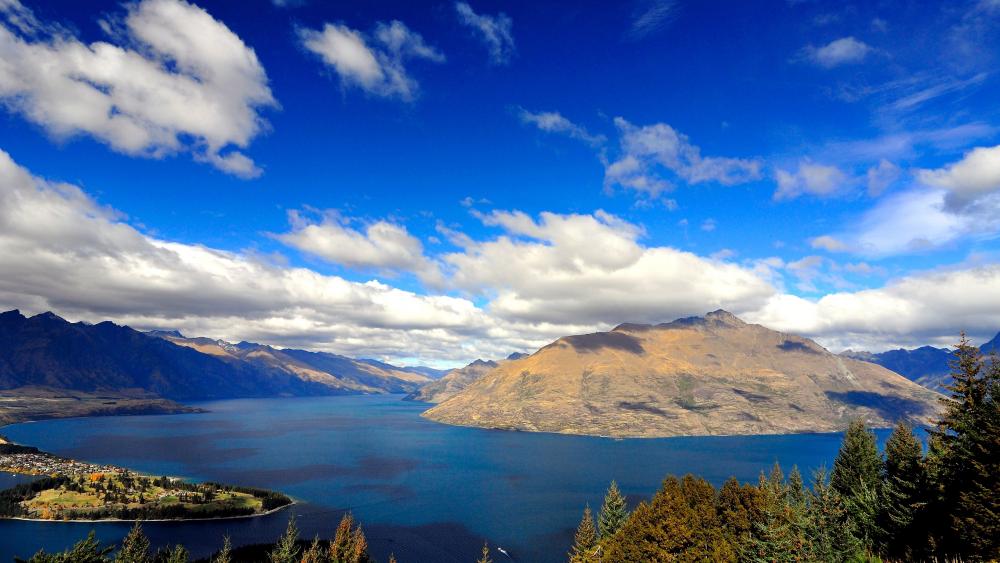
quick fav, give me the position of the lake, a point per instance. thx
(426, 491)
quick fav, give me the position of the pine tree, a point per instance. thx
(903, 492)
(135, 547)
(486, 554)
(585, 540)
(966, 458)
(857, 474)
(226, 554)
(773, 537)
(829, 530)
(392, 558)
(359, 551)
(614, 512)
(177, 555)
(287, 549)
(342, 545)
(87, 550)
(315, 553)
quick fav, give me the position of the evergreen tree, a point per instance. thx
(315, 553)
(614, 512)
(738, 507)
(585, 540)
(342, 545)
(287, 549)
(904, 495)
(87, 550)
(773, 538)
(486, 554)
(225, 555)
(966, 458)
(857, 473)
(359, 553)
(177, 555)
(135, 547)
(829, 530)
(392, 558)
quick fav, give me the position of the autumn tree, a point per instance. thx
(287, 549)
(485, 558)
(585, 540)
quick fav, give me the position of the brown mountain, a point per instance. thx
(456, 380)
(708, 375)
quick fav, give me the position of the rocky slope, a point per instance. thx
(695, 376)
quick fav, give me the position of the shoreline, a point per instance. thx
(79, 520)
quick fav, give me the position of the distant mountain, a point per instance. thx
(696, 376)
(927, 365)
(457, 380)
(334, 372)
(453, 382)
(47, 351)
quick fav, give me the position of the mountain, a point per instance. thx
(333, 372)
(926, 365)
(457, 380)
(696, 376)
(47, 351)
(452, 383)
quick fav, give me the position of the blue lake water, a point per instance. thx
(425, 491)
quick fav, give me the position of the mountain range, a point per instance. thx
(49, 352)
(927, 365)
(457, 379)
(695, 376)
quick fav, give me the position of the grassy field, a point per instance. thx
(103, 495)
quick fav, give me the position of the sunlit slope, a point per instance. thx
(697, 376)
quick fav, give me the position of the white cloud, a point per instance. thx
(829, 243)
(810, 178)
(846, 50)
(650, 152)
(708, 225)
(374, 64)
(976, 175)
(494, 31)
(554, 122)
(591, 269)
(381, 245)
(654, 16)
(931, 307)
(881, 176)
(179, 81)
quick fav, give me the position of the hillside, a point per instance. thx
(47, 351)
(707, 375)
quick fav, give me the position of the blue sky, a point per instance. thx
(475, 178)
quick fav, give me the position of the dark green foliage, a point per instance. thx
(965, 460)
(134, 548)
(904, 495)
(614, 512)
(830, 534)
(585, 540)
(177, 555)
(88, 550)
(287, 549)
(680, 522)
(857, 478)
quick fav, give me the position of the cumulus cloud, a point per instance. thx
(380, 245)
(846, 50)
(555, 122)
(810, 178)
(372, 63)
(591, 269)
(493, 31)
(930, 307)
(177, 81)
(653, 156)
(976, 175)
